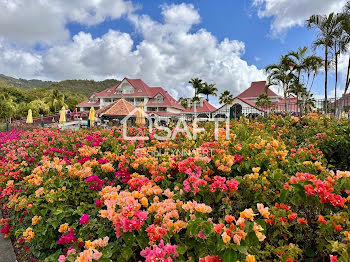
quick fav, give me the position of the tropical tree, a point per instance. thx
(8, 106)
(196, 84)
(55, 99)
(226, 98)
(345, 26)
(183, 101)
(208, 89)
(281, 75)
(263, 100)
(38, 107)
(312, 65)
(327, 26)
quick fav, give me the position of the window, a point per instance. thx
(159, 99)
(139, 90)
(162, 109)
(152, 109)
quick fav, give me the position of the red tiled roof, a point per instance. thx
(256, 89)
(167, 101)
(119, 108)
(86, 103)
(138, 84)
(207, 107)
(142, 90)
(250, 103)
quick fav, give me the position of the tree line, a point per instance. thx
(15, 103)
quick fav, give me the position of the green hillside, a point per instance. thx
(83, 87)
(23, 83)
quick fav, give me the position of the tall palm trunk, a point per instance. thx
(342, 102)
(336, 82)
(325, 78)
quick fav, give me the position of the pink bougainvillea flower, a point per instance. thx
(84, 219)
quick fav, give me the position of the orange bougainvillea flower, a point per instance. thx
(321, 219)
(302, 221)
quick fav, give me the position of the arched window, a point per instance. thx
(235, 111)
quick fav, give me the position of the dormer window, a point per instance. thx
(159, 99)
(140, 90)
(108, 91)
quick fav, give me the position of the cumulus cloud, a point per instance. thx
(18, 62)
(32, 21)
(169, 54)
(286, 13)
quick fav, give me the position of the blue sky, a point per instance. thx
(163, 42)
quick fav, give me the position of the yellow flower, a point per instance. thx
(256, 169)
(250, 258)
(28, 234)
(144, 201)
(226, 238)
(35, 220)
(248, 214)
(63, 228)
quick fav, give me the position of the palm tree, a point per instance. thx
(183, 102)
(312, 66)
(298, 64)
(263, 100)
(226, 98)
(208, 89)
(328, 27)
(281, 75)
(55, 99)
(196, 84)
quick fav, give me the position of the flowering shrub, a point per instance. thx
(271, 192)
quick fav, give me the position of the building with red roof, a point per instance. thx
(156, 100)
(255, 90)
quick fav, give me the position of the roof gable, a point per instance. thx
(207, 107)
(256, 89)
(119, 108)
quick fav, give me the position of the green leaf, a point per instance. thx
(230, 255)
(181, 249)
(252, 239)
(283, 196)
(126, 253)
(242, 249)
(128, 238)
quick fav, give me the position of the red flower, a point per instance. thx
(302, 221)
(321, 219)
(337, 228)
(333, 258)
(292, 216)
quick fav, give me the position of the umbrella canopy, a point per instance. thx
(92, 116)
(30, 117)
(63, 115)
(140, 117)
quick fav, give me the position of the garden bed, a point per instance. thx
(275, 190)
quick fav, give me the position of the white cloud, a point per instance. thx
(169, 55)
(32, 21)
(18, 62)
(286, 13)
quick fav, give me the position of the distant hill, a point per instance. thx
(84, 87)
(23, 83)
